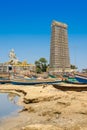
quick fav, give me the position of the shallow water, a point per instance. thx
(8, 104)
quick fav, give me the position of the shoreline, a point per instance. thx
(46, 107)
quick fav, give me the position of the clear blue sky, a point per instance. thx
(25, 25)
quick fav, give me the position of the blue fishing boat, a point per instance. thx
(33, 82)
(81, 78)
(4, 80)
(71, 80)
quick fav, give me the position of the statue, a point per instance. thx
(12, 56)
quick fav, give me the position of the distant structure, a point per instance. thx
(16, 66)
(59, 52)
(12, 56)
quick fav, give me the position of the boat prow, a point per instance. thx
(81, 78)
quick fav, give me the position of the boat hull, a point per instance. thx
(4, 81)
(81, 79)
(71, 87)
(33, 82)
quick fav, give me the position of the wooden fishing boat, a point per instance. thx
(71, 87)
(81, 78)
(70, 84)
(34, 81)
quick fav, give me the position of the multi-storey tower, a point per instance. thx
(59, 52)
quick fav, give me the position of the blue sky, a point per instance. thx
(25, 25)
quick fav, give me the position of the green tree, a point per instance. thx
(43, 60)
(38, 68)
(41, 65)
(73, 67)
(37, 63)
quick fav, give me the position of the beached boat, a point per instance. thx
(3, 80)
(4, 77)
(34, 81)
(71, 87)
(81, 78)
(70, 84)
(71, 80)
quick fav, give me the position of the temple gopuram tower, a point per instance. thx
(59, 51)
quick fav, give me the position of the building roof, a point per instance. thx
(59, 24)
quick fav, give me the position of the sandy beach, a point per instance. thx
(46, 108)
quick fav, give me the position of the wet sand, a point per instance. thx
(47, 108)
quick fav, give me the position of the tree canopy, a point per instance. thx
(73, 67)
(41, 65)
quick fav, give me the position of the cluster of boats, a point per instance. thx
(76, 81)
(20, 80)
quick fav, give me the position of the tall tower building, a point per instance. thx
(59, 52)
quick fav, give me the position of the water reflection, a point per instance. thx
(8, 104)
(12, 97)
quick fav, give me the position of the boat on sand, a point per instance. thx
(81, 78)
(34, 81)
(70, 87)
(3, 81)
